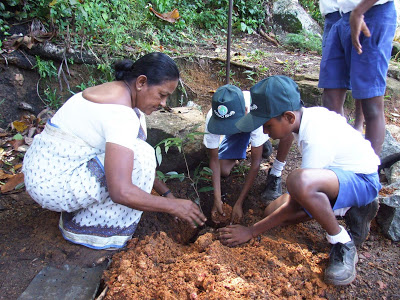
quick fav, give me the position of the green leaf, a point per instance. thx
(18, 137)
(172, 173)
(206, 189)
(158, 155)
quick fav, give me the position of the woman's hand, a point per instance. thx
(233, 235)
(237, 213)
(188, 211)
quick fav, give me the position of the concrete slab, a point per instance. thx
(69, 282)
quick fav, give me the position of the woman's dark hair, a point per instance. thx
(157, 67)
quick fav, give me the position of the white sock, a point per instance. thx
(342, 237)
(277, 168)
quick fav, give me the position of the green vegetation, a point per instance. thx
(115, 26)
(200, 174)
(304, 41)
(312, 7)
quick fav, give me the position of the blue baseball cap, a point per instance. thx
(228, 107)
(271, 97)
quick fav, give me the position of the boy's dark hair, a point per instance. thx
(157, 67)
(280, 116)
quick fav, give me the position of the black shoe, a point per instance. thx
(341, 269)
(267, 149)
(358, 219)
(273, 187)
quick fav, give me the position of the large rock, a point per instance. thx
(290, 16)
(311, 94)
(390, 151)
(178, 123)
(388, 216)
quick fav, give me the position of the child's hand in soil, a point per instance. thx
(237, 214)
(233, 235)
(217, 209)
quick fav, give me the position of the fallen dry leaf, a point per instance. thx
(4, 175)
(19, 126)
(17, 143)
(12, 183)
(170, 17)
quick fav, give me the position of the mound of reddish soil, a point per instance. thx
(158, 268)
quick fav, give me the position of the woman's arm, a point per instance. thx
(161, 188)
(118, 167)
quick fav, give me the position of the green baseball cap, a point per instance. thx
(271, 97)
(228, 107)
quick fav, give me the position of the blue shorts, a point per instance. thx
(234, 146)
(356, 189)
(330, 19)
(365, 74)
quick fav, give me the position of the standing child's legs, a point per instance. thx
(374, 122)
(359, 117)
(333, 99)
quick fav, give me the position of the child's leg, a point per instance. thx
(359, 117)
(298, 215)
(374, 122)
(314, 190)
(333, 99)
(226, 166)
(273, 188)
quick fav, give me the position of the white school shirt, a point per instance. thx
(328, 6)
(346, 6)
(326, 140)
(257, 136)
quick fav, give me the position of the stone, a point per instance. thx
(394, 131)
(395, 48)
(179, 122)
(388, 216)
(290, 16)
(394, 173)
(390, 151)
(68, 282)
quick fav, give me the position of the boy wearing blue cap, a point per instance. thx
(229, 104)
(338, 174)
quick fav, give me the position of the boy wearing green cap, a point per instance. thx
(338, 173)
(229, 104)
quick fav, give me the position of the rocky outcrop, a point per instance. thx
(289, 16)
(388, 216)
(177, 123)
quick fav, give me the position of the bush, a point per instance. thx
(304, 41)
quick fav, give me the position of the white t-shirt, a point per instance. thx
(344, 6)
(257, 136)
(326, 140)
(328, 6)
(97, 123)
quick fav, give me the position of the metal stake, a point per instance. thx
(228, 47)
